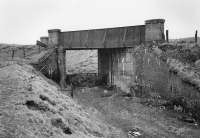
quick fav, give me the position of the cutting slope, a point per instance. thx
(32, 106)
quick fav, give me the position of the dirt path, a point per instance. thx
(129, 114)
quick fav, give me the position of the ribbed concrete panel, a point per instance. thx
(103, 38)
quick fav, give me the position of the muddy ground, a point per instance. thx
(131, 114)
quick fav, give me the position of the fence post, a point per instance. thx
(38, 48)
(13, 53)
(167, 36)
(24, 52)
(196, 34)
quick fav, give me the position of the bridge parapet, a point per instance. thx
(119, 37)
(154, 30)
(44, 39)
(104, 38)
(54, 39)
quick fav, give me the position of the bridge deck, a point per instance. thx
(103, 38)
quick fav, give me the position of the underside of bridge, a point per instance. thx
(115, 48)
(115, 64)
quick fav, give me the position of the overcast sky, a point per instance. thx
(24, 21)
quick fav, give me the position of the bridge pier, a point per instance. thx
(105, 66)
(54, 42)
(62, 66)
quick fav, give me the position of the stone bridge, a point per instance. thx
(117, 60)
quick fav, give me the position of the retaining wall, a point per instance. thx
(141, 66)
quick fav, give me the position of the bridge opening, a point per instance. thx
(82, 67)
